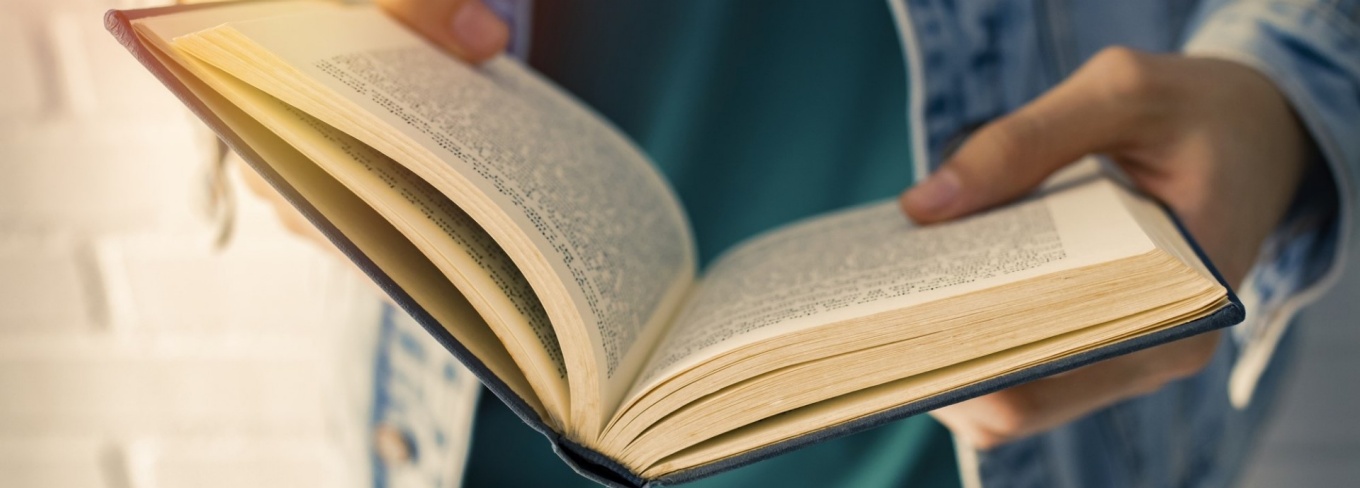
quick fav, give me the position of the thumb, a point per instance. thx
(466, 28)
(1089, 112)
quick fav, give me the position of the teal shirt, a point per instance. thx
(759, 113)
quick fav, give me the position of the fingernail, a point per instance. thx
(476, 28)
(936, 192)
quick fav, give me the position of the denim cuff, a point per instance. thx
(1311, 51)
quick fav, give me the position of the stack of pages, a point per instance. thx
(543, 249)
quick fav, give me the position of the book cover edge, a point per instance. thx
(1231, 314)
(119, 24)
(587, 462)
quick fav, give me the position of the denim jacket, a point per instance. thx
(972, 61)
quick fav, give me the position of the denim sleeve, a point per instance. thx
(1310, 49)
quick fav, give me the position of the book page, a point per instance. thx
(871, 259)
(605, 222)
(456, 245)
(373, 235)
(874, 399)
(598, 233)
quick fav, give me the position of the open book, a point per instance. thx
(544, 250)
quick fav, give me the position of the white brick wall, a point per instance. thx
(24, 95)
(134, 353)
(52, 461)
(231, 463)
(44, 284)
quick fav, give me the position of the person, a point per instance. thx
(1241, 116)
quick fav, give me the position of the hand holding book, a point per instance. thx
(1009, 158)
(1214, 140)
(541, 247)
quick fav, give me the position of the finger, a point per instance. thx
(1059, 399)
(467, 28)
(1090, 112)
(1044, 404)
(1039, 406)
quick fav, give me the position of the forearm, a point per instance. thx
(1311, 51)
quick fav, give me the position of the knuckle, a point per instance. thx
(1013, 151)
(1018, 136)
(1125, 74)
(1014, 138)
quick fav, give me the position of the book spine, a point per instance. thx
(594, 465)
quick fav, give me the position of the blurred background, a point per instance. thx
(138, 347)
(159, 328)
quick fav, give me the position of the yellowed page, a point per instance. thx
(368, 230)
(878, 398)
(457, 246)
(869, 260)
(596, 230)
(443, 233)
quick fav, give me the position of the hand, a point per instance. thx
(466, 28)
(1212, 139)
